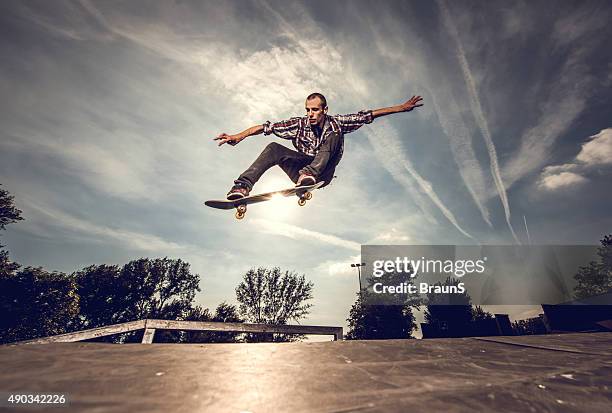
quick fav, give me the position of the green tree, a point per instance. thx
(8, 212)
(529, 326)
(268, 296)
(389, 316)
(454, 308)
(225, 313)
(452, 314)
(449, 313)
(160, 288)
(596, 277)
(478, 313)
(35, 303)
(379, 321)
(102, 295)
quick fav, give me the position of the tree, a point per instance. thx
(158, 288)
(452, 314)
(8, 212)
(383, 316)
(448, 310)
(529, 326)
(596, 277)
(379, 321)
(35, 303)
(102, 296)
(478, 313)
(267, 296)
(225, 313)
(161, 288)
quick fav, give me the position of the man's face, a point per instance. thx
(315, 111)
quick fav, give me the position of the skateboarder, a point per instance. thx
(318, 138)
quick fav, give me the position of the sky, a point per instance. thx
(109, 109)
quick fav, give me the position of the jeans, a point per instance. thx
(293, 163)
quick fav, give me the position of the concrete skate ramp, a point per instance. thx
(570, 372)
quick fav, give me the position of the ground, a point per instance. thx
(570, 372)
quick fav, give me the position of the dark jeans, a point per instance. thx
(293, 163)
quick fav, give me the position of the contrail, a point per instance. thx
(463, 152)
(393, 163)
(294, 232)
(527, 230)
(479, 115)
(424, 185)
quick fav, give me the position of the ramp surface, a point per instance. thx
(570, 372)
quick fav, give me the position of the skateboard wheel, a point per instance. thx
(241, 209)
(239, 215)
(301, 202)
(308, 195)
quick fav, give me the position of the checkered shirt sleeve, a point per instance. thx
(352, 122)
(286, 129)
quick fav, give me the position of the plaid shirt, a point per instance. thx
(303, 137)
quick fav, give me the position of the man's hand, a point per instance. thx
(230, 139)
(414, 102)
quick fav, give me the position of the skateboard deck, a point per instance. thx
(304, 193)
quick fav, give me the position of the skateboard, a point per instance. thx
(304, 193)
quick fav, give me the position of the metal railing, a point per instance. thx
(150, 325)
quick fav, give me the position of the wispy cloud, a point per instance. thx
(45, 216)
(393, 236)
(272, 81)
(480, 121)
(460, 142)
(382, 138)
(570, 90)
(295, 232)
(414, 62)
(339, 268)
(122, 168)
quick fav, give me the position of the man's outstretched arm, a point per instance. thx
(352, 122)
(235, 139)
(286, 129)
(413, 102)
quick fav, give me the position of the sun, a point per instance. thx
(279, 208)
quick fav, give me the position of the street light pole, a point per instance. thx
(358, 266)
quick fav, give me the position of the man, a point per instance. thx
(318, 138)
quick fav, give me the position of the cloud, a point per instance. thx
(44, 217)
(70, 23)
(384, 139)
(267, 81)
(418, 72)
(598, 151)
(120, 167)
(392, 236)
(338, 268)
(295, 232)
(271, 82)
(561, 180)
(594, 153)
(568, 94)
(482, 124)
(461, 146)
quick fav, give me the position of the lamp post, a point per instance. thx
(358, 266)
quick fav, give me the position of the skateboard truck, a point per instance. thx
(306, 196)
(240, 211)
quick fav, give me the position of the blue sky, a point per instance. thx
(109, 110)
